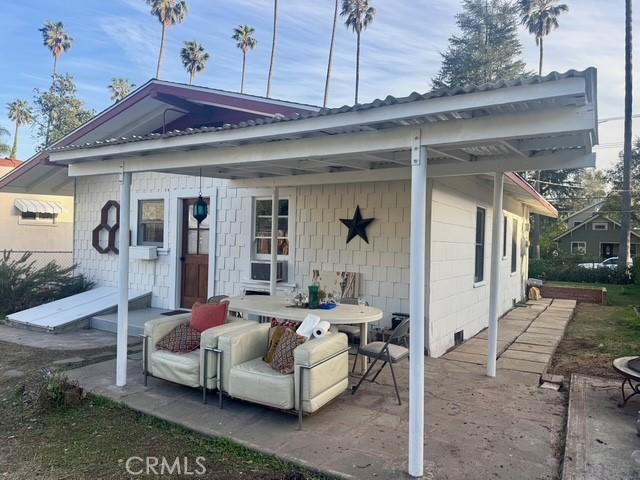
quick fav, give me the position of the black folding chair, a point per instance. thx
(388, 352)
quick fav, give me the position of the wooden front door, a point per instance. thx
(195, 256)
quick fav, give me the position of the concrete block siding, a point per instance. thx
(318, 241)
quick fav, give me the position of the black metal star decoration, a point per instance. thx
(357, 225)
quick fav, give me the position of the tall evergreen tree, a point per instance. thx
(487, 48)
(58, 111)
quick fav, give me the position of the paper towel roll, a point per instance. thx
(308, 325)
(321, 329)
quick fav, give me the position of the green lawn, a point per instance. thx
(618, 295)
(95, 438)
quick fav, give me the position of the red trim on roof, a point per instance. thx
(10, 162)
(522, 183)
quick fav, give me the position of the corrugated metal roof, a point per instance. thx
(389, 100)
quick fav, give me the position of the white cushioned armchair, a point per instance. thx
(185, 368)
(322, 362)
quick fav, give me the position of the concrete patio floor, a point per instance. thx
(476, 427)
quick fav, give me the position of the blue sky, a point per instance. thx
(401, 50)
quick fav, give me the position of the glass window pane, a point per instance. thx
(283, 207)
(263, 207)
(152, 210)
(263, 227)
(204, 242)
(263, 246)
(283, 247)
(152, 233)
(192, 242)
(283, 227)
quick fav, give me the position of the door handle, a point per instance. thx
(182, 259)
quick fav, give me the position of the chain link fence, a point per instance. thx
(41, 258)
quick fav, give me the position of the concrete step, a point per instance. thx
(108, 322)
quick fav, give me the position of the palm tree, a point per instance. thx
(169, 12)
(359, 14)
(4, 148)
(245, 42)
(274, 40)
(120, 88)
(541, 17)
(625, 250)
(333, 39)
(20, 113)
(194, 58)
(56, 39)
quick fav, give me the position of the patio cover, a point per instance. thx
(533, 123)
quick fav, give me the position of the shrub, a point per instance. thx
(56, 391)
(23, 285)
(566, 269)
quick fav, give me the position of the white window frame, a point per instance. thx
(600, 224)
(164, 206)
(482, 281)
(41, 222)
(267, 257)
(135, 212)
(245, 215)
(578, 242)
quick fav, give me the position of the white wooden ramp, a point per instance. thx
(61, 313)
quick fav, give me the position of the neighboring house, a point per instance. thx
(597, 237)
(240, 151)
(41, 224)
(583, 215)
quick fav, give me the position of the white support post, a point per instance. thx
(273, 278)
(123, 280)
(494, 287)
(416, 306)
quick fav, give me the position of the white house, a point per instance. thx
(428, 168)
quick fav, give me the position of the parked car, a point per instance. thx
(611, 262)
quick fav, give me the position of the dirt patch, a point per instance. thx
(594, 337)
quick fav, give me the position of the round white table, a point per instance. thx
(278, 307)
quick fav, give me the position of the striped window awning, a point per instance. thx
(38, 206)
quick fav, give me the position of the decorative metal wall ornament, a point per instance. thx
(200, 209)
(357, 225)
(111, 229)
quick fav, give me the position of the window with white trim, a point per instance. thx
(481, 214)
(578, 248)
(151, 222)
(514, 246)
(600, 226)
(262, 221)
(38, 218)
(504, 236)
